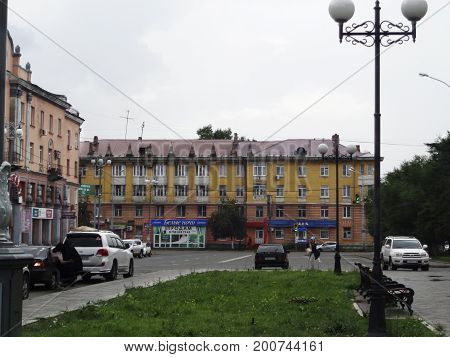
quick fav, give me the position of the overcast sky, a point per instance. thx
(251, 65)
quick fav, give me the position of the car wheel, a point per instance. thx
(53, 284)
(26, 286)
(425, 267)
(86, 277)
(391, 265)
(112, 275)
(130, 270)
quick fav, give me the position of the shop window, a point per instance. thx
(202, 211)
(324, 234)
(259, 211)
(347, 233)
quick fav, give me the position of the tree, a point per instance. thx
(207, 133)
(228, 222)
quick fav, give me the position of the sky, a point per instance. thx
(251, 65)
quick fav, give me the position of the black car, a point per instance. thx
(42, 270)
(271, 255)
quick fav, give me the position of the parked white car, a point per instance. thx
(404, 252)
(102, 253)
(137, 248)
(327, 247)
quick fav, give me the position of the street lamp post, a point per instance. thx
(377, 33)
(150, 183)
(323, 149)
(425, 75)
(99, 163)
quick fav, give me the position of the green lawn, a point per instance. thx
(275, 303)
(445, 258)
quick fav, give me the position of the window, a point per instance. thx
(201, 211)
(139, 171)
(118, 190)
(347, 233)
(279, 233)
(302, 191)
(119, 170)
(59, 127)
(361, 170)
(239, 191)
(259, 191)
(159, 190)
(280, 170)
(77, 141)
(324, 234)
(324, 212)
(346, 170)
(369, 169)
(68, 167)
(222, 191)
(201, 190)
(181, 211)
(222, 170)
(201, 171)
(280, 191)
(324, 192)
(31, 152)
(324, 170)
(302, 170)
(83, 171)
(159, 211)
(181, 191)
(279, 212)
(346, 191)
(159, 170)
(50, 125)
(259, 211)
(139, 190)
(33, 113)
(42, 124)
(98, 190)
(181, 170)
(347, 212)
(259, 235)
(240, 170)
(259, 170)
(75, 169)
(41, 154)
(139, 211)
(117, 211)
(301, 211)
(68, 138)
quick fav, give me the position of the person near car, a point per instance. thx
(314, 257)
(68, 261)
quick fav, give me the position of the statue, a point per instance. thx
(5, 203)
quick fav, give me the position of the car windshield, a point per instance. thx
(406, 244)
(37, 252)
(137, 242)
(270, 249)
(85, 239)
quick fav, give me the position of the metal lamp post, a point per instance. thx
(323, 149)
(425, 75)
(150, 183)
(99, 162)
(377, 33)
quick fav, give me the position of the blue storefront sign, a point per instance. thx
(304, 223)
(179, 233)
(179, 222)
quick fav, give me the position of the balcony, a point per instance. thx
(159, 199)
(180, 199)
(181, 180)
(138, 199)
(54, 172)
(202, 180)
(201, 199)
(279, 199)
(117, 199)
(301, 199)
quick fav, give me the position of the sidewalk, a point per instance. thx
(433, 263)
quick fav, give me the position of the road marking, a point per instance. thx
(230, 260)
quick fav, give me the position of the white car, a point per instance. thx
(327, 247)
(137, 248)
(148, 249)
(404, 252)
(102, 253)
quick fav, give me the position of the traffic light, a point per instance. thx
(357, 199)
(295, 229)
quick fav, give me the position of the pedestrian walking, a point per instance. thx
(314, 257)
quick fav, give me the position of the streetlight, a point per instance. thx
(150, 183)
(323, 149)
(436, 79)
(377, 33)
(99, 163)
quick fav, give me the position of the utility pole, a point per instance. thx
(127, 118)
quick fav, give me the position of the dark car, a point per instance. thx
(271, 255)
(42, 269)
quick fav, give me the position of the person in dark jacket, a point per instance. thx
(68, 261)
(315, 253)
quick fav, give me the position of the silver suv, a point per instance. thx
(404, 252)
(102, 253)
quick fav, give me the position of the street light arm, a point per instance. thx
(434, 78)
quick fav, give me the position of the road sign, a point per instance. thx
(85, 189)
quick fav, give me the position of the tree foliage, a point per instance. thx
(207, 133)
(228, 222)
(415, 197)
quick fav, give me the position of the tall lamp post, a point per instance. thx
(377, 33)
(323, 149)
(150, 184)
(425, 75)
(100, 164)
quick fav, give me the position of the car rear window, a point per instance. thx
(85, 239)
(270, 249)
(406, 244)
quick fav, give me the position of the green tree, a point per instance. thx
(228, 222)
(207, 133)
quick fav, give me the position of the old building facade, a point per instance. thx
(163, 191)
(42, 133)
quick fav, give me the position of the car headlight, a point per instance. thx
(424, 254)
(398, 254)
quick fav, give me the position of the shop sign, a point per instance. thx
(119, 226)
(26, 220)
(179, 230)
(69, 214)
(42, 213)
(180, 222)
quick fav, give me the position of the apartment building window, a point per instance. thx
(259, 211)
(201, 190)
(159, 190)
(118, 190)
(181, 171)
(59, 127)
(118, 170)
(201, 211)
(68, 167)
(139, 190)
(181, 211)
(347, 233)
(69, 144)
(50, 125)
(324, 170)
(369, 169)
(33, 113)
(301, 211)
(324, 191)
(181, 190)
(347, 212)
(159, 170)
(280, 170)
(346, 191)
(75, 169)
(41, 155)
(139, 211)
(159, 212)
(31, 152)
(259, 191)
(22, 113)
(83, 171)
(324, 234)
(280, 191)
(239, 191)
(222, 170)
(117, 211)
(302, 170)
(259, 235)
(279, 233)
(361, 169)
(302, 191)
(346, 170)
(139, 171)
(324, 212)
(201, 171)
(222, 191)
(259, 170)
(77, 141)
(240, 170)
(42, 124)
(279, 211)
(98, 190)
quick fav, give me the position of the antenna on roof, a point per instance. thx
(126, 127)
(142, 129)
